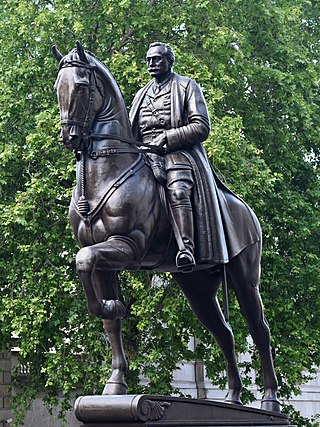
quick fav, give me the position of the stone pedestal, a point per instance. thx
(5, 381)
(153, 410)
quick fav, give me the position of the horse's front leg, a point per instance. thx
(103, 257)
(102, 294)
(116, 384)
(107, 289)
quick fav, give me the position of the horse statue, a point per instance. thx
(119, 219)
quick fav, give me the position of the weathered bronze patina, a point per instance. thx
(122, 222)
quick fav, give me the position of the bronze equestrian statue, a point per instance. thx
(120, 215)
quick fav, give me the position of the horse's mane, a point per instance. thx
(106, 69)
(101, 67)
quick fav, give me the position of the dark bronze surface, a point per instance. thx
(119, 215)
(151, 410)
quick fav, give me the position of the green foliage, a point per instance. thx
(258, 65)
(297, 419)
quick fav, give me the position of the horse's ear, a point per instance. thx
(81, 52)
(58, 55)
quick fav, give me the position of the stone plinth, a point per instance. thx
(5, 380)
(153, 410)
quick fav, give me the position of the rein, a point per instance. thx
(146, 147)
(85, 148)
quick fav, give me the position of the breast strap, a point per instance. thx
(130, 171)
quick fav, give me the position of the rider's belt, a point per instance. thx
(104, 152)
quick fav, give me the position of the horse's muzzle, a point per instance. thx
(71, 136)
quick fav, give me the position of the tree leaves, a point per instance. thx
(258, 65)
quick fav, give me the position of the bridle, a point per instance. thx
(85, 129)
(86, 135)
(85, 145)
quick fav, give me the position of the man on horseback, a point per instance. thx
(125, 228)
(170, 115)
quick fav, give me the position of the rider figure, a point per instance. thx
(170, 114)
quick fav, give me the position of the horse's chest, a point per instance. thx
(113, 219)
(117, 206)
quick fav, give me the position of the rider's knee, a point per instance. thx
(85, 260)
(179, 196)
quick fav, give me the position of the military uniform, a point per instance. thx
(155, 118)
(195, 193)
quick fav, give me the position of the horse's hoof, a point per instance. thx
(271, 405)
(233, 399)
(113, 309)
(113, 388)
(233, 402)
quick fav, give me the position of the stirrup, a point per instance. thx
(185, 261)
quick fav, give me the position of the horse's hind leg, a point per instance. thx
(201, 288)
(244, 272)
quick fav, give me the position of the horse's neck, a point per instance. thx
(113, 117)
(110, 124)
(112, 121)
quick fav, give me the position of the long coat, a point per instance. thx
(224, 224)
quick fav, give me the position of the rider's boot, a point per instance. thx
(183, 217)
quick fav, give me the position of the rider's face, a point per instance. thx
(157, 63)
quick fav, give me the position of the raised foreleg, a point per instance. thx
(114, 254)
(102, 292)
(201, 288)
(244, 273)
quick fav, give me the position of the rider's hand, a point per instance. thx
(159, 141)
